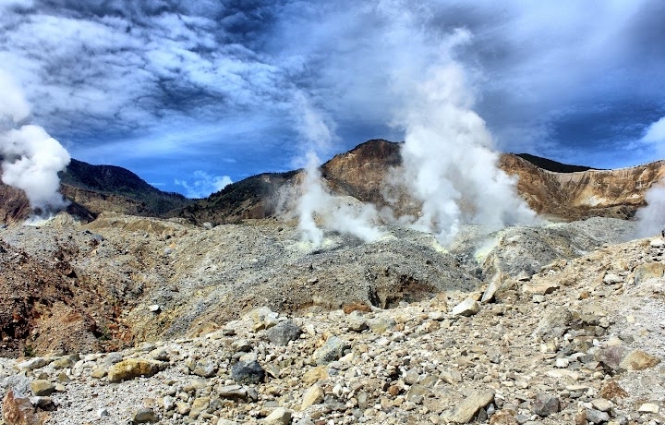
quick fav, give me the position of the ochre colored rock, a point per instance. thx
(133, 368)
(17, 410)
(639, 360)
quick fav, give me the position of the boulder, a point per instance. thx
(468, 408)
(638, 360)
(18, 410)
(332, 350)
(312, 396)
(468, 307)
(283, 333)
(248, 372)
(545, 404)
(133, 368)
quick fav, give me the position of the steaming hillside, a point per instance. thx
(556, 190)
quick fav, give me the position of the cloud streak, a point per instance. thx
(563, 79)
(203, 184)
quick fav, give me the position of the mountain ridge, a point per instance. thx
(571, 193)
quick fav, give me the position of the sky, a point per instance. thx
(194, 95)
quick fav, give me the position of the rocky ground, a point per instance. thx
(558, 323)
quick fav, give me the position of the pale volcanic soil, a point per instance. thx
(143, 320)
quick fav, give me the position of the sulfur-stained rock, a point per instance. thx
(133, 368)
(42, 387)
(639, 360)
(312, 396)
(504, 417)
(648, 271)
(611, 390)
(199, 406)
(279, 416)
(314, 375)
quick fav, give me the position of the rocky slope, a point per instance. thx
(559, 323)
(109, 188)
(137, 319)
(93, 189)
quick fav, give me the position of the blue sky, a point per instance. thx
(192, 96)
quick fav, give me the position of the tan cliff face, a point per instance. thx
(609, 193)
(361, 173)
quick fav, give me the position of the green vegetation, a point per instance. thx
(112, 180)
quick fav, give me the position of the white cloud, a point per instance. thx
(123, 73)
(203, 184)
(655, 133)
(12, 102)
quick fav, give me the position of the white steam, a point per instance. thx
(315, 198)
(651, 218)
(31, 159)
(449, 163)
(655, 133)
(315, 201)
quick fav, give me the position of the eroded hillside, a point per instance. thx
(244, 323)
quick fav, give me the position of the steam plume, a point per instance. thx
(449, 163)
(651, 219)
(31, 159)
(315, 200)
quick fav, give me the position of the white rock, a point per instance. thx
(657, 243)
(562, 363)
(602, 404)
(437, 315)
(468, 307)
(32, 364)
(563, 374)
(612, 278)
(279, 416)
(649, 408)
